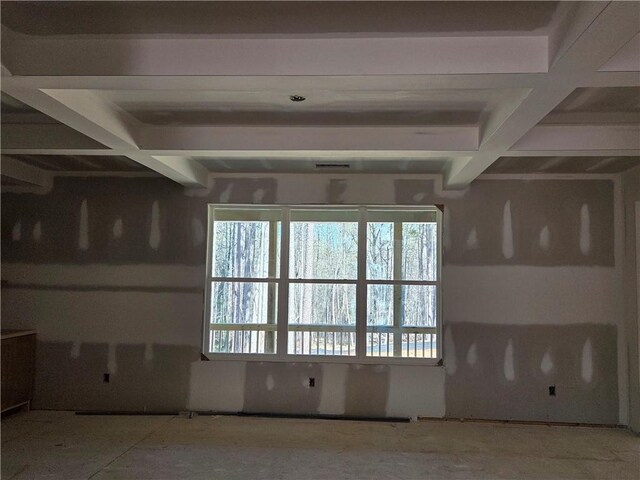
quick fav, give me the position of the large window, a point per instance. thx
(333, 282)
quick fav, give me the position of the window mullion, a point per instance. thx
(272, 301)
(283, 290)
(439, 220)
(397, 288)
(361, 286)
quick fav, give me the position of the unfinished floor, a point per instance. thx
(46, 444)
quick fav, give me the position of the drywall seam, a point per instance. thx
(618, 295)
(104, 276)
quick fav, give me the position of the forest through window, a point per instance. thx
(332, 282)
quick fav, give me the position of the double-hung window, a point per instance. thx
(356, 283)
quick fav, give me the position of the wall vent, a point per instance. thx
(333, 165)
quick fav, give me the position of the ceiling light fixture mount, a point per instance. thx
(297, 98)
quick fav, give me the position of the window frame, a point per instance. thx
(283, 281)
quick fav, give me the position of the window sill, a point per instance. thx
(266, 358)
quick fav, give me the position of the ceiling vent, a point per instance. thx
(333, 165)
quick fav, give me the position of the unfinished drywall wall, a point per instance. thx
(110, 272)
(631, 268)
(504, 372)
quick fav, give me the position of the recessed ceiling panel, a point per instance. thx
(594, 165)
(82, 163)
(14, 111)
(601, 105)
(319, 107)
(7, 181)
(273, 18)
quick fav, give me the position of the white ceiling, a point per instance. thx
(453, 88)
(278, 18)
(339, 106)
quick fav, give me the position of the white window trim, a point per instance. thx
(361, 293)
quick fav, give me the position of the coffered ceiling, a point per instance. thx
(184, 89)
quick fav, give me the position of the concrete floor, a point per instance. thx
(62, 445)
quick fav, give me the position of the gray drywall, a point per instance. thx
(68, 380)
(631, 195)
(504, 372)
(111, 273)
(130, 202)
(548, 223)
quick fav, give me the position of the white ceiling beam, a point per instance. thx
(80, 110)
(309, 138)
(527, 114)
(595, 46)
(338, 54)
(575, 137)
(105, 123)
(322, 154)
(285, 84)
(304, 83)
(570, 20)
(10, 167)
(183, 170)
